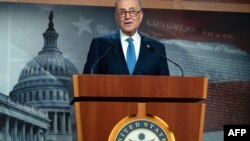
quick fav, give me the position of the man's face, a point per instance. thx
(128, 16)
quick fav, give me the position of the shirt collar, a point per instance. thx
(136, 37)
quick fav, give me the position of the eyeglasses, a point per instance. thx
(123, 13)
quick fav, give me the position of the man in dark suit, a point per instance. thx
(126, 52)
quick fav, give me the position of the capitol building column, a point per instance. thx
(55, 122)
(45, 133)
(7, 128)
(63, 123)
(31, 136)
(23, 132)
(69, 123)
(15, 129)
(38, 134)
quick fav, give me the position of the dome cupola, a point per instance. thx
(46, 79)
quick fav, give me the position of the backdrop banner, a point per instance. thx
(42, 46)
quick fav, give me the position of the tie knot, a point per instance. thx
(130, 40)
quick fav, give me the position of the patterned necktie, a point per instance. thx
(131, 58)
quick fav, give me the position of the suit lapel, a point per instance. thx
(119, 55)
(142, 54)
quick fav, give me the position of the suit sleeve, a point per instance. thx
(163, 62)
(90, 66)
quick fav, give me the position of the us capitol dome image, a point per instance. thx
(44, 86)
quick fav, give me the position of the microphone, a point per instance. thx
(100, 58)
(153, 50)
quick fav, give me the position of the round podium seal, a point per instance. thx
(148, 128)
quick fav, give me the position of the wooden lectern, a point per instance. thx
(101, 101)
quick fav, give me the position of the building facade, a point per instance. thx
(45, 83)
(20, 122)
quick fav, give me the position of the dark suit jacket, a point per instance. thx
(108, 50)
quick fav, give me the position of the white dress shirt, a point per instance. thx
(136, 41)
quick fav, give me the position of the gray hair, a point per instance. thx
(139, 2)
